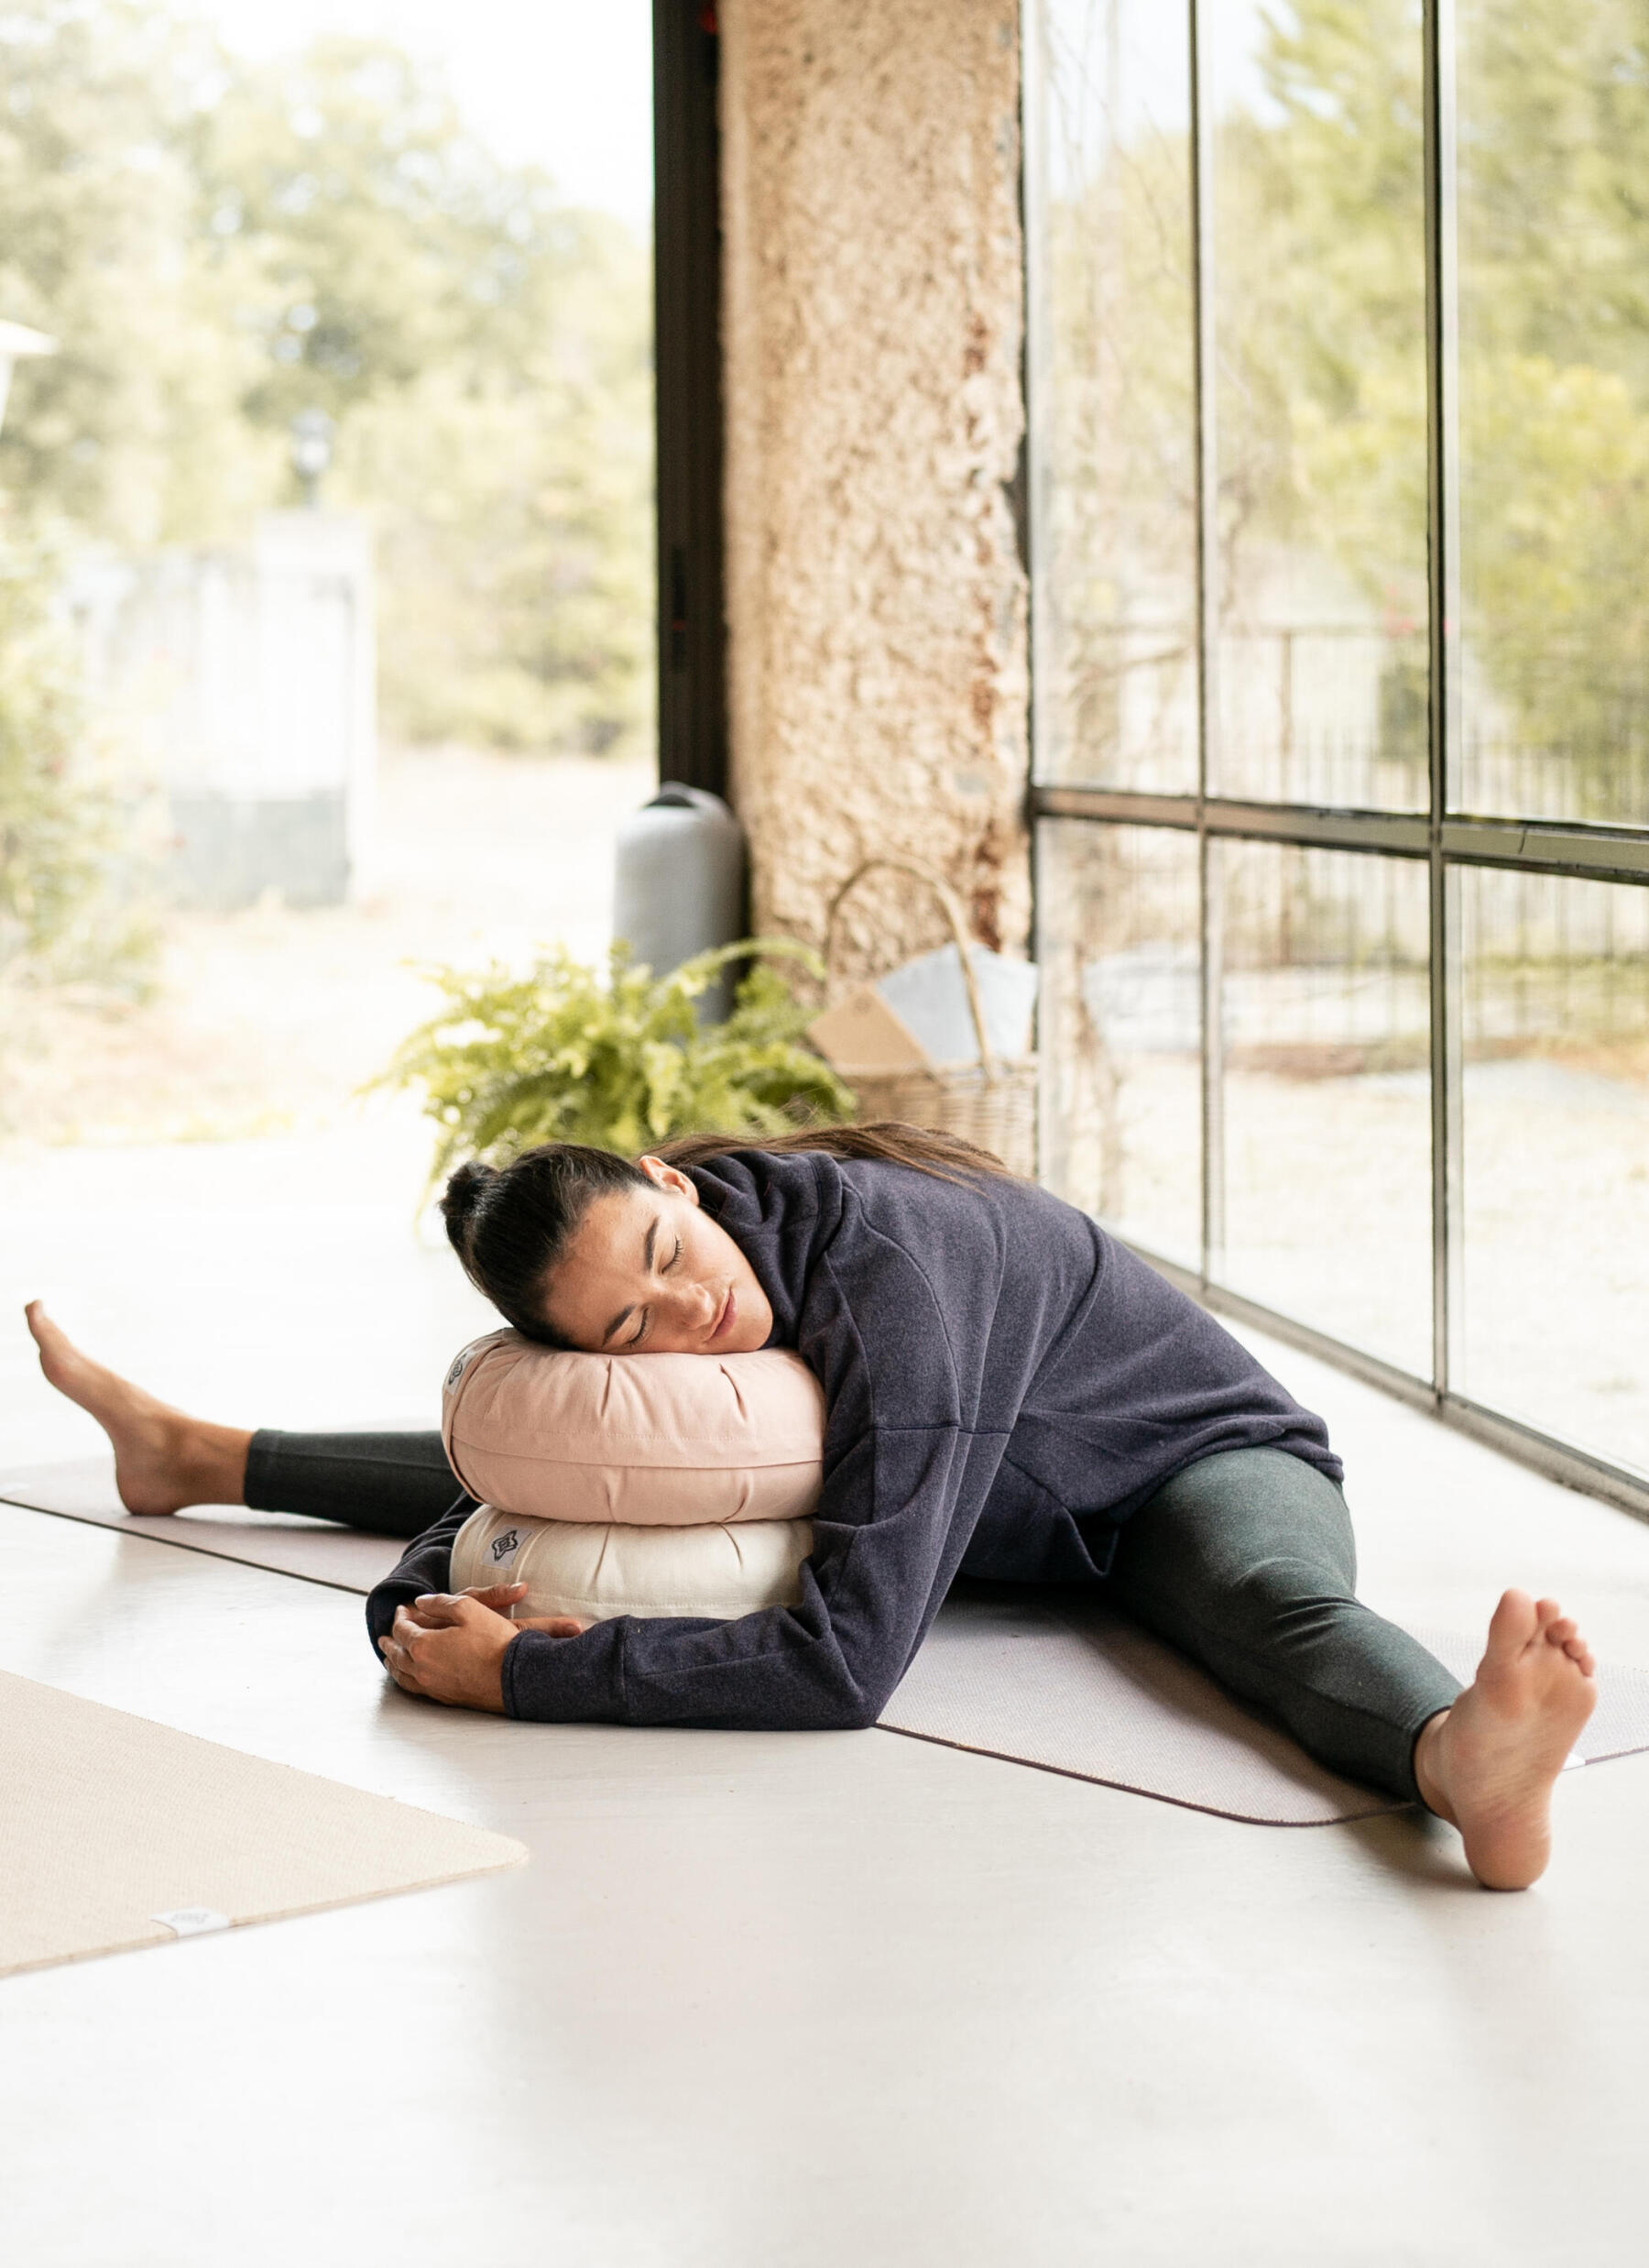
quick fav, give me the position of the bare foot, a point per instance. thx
(1488, 1764)
(163, 1460)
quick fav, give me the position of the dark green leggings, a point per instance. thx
(1246, 1563)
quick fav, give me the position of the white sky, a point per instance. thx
(566, 84)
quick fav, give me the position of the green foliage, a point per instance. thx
(132, 435)
(1325, 260)
(1319, 370)
(559, 1055)
(66, 907)
(219, 245)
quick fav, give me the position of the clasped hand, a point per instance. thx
(449, 1646)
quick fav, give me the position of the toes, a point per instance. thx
(1565, 1634)
(1513, 1624)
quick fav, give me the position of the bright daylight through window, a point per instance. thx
(1339, 409)
(326, 620)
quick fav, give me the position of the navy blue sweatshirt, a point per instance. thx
(1004, 1383)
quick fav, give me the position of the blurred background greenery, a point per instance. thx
(221, 245)
(222, 242)
(1319, 385)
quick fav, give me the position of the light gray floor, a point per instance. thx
(842, 2000)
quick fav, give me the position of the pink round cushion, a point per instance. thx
(649, 1441)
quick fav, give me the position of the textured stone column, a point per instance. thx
(872, 320)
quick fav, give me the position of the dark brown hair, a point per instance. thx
(510, 1224)
(883, 1141)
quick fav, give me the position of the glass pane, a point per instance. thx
(1114, 509)
(1554, 409)
(1120, 1029)
(1327, 1092)
(1320, 403)
(1556, 1157)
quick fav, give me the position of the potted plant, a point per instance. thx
(618, 1059)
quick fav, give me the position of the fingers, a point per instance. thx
(456, 1657)
(405, 1626)
(500, 1596)
(450, 1647)
(406, 1645)
(445, 1610)
(398, 1662)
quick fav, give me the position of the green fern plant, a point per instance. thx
(563, 1054)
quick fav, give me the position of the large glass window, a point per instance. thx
(1339, 366)
(1326, 1103)
(1555, 1155)
(1114, 434)
(1122, 1030)
(1552, 410)
(1317, 288)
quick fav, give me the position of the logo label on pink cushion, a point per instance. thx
(460, 1365)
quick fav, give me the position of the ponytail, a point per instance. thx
(884, 1142)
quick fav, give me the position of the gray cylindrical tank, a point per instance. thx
(679, 880)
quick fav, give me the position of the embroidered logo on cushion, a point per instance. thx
(506, 1546)
(459, 1365)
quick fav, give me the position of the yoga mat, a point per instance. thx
(314, 1551)
(1069, 1688)
(121, 1833)
(1081, 1691)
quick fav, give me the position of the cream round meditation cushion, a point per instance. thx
(596, 1569)
(644, 1440)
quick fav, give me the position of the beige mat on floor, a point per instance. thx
(316, 1550)
(1083, 1692)
(1069, 1688)
(120, 1833)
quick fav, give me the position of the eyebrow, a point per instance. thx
(648, 1249)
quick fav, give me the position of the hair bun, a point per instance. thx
(462, 1195)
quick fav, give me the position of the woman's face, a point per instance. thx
(648, 1273)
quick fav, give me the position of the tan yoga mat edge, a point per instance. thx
(115, 1822)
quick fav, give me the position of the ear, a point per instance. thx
(666, 1178)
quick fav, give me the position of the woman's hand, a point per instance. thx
(450, 1646)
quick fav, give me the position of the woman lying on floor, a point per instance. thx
(1009, 1392)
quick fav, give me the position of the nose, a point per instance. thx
(697, 1307)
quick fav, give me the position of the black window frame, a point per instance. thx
(688, 399)
(1444, 839)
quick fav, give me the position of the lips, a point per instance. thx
(727, 1318)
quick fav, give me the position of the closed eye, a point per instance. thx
(645, 1318)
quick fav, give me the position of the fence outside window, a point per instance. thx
(1338, 391)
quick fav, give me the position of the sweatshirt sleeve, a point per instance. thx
(426, 1565)
(905, 1475)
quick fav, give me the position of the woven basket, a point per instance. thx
(991, 1103)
